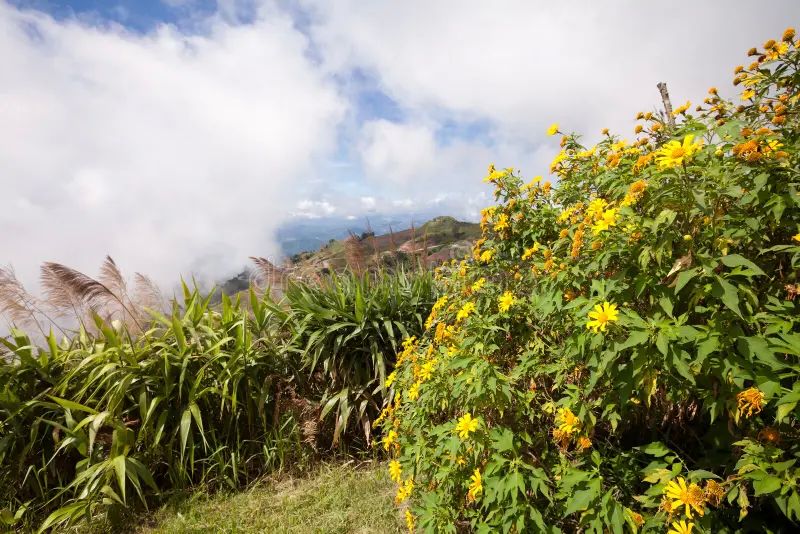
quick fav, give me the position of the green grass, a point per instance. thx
(334, 499)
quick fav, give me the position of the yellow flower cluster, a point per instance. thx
(635, 192)
(404, 491)
(465, 311)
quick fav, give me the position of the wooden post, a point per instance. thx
(662, 87)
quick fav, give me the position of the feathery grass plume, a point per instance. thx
(111, 277)
(146, 295)
(61, 298)
(90, 292)
(355, 253)
(267, 273)
(15, 302)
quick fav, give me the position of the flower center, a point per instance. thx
(678, 152)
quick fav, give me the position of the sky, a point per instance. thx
(178, 135)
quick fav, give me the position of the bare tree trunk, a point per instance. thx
(662, 86)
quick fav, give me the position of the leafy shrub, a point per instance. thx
(348, 329)
(209, 395)
(623, 352)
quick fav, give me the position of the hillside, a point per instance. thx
(438, 240)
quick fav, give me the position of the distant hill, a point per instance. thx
(308, 235)
(438, 240)
(434, 242)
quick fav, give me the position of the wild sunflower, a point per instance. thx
(395, 471)
(601, 315)
(475, 486)
(465, 425)
(689, 496)
(506, 301)
(675, 153)
(750, 401)
(681, 527)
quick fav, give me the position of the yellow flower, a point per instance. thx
(389, 439)
(675, 153)
(561, 156)
(427, 370)
(584, 443)
(601, 315)
(606, 221)
(596, 207)
(413, 391)
(568, 422)
(478, 284)
(486, 255)
(750, 401)
(714, 492)
(395, 471)
(506, 301)
(681, 109)
(797, 237)
(681, 527)
(475, 486)
(777, 50)
(465, 311)
(404, 491)
(689, 496)
(391, 378)
(531, 251)
(466, 425)
(553, 129)
(410, 521)
(502, 223)
(748, 94)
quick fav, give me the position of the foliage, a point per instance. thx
(348, 328)
(207, 395)
(623, 352)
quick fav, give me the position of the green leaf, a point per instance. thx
(580, 501)
(683, 278)
(736, 260)
(727, 292)
(656, 449)
(119, 468)
(768, 484)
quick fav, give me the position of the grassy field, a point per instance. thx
(334, 499)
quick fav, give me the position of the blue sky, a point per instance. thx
(178, 135)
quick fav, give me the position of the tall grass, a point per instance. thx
(106, 421)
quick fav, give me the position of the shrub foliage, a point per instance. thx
(207, 395)
(623, 351)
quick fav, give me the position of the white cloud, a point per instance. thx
(519, 66)
(314, 209)
(525, 64)
(167, 150)
(368, 203)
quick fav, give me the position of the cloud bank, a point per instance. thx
(173, 152)
(182, 148)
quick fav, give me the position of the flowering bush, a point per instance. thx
(624, 351)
